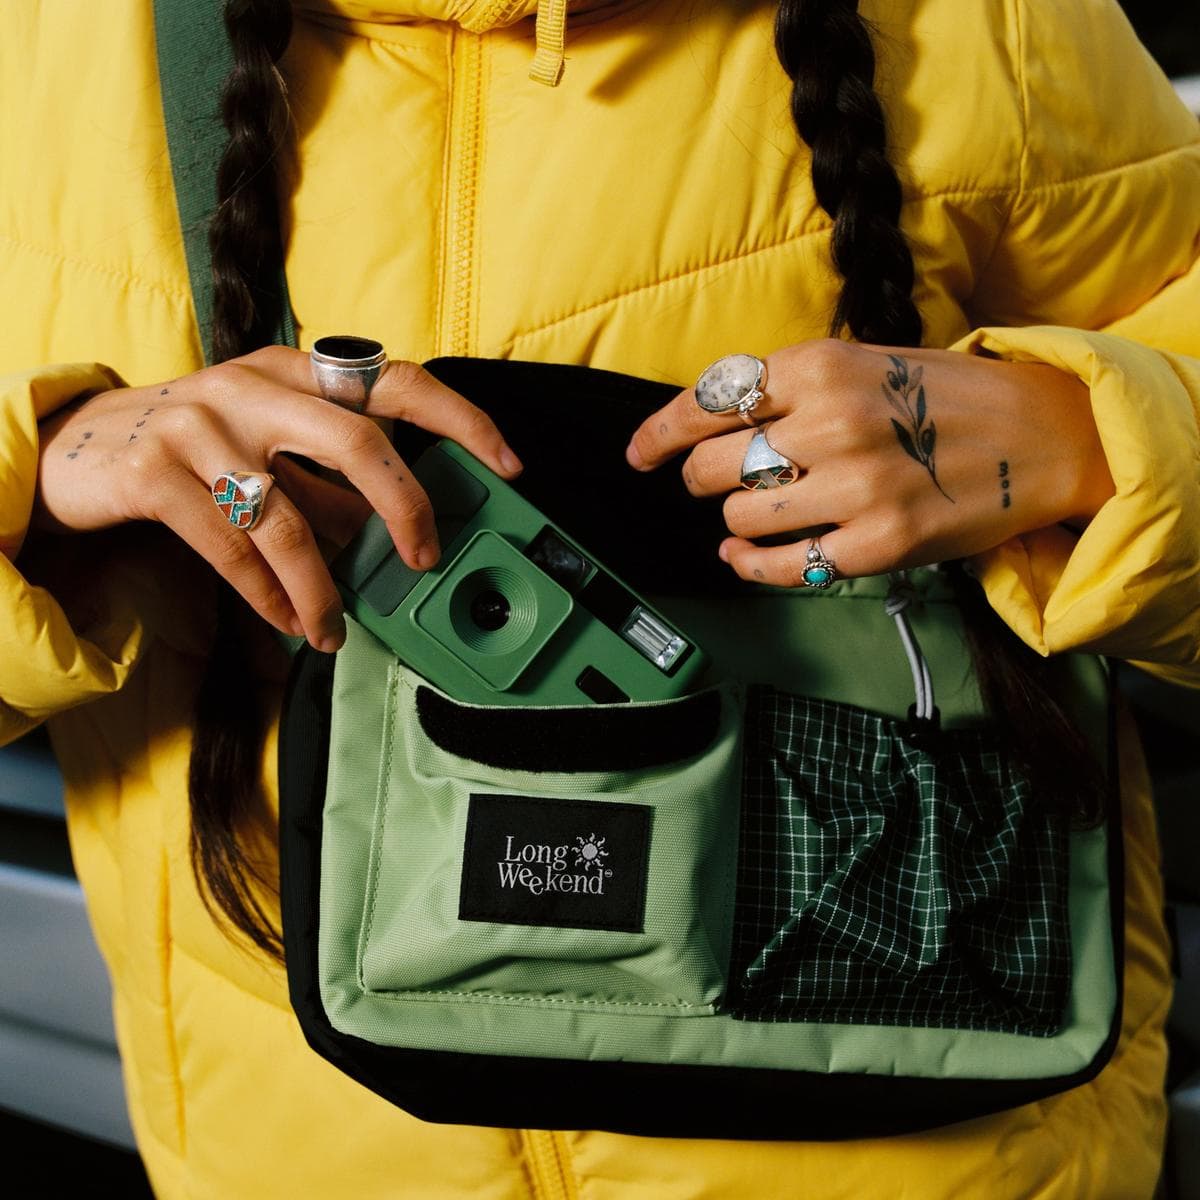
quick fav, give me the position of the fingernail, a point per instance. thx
(723, 552)
(334, 639)
(297, 627)
(633, 458)
(510, 462)
(427, 555)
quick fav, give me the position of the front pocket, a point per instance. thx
(887, 883)
(553, 856)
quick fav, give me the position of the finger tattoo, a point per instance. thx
(1005, 485)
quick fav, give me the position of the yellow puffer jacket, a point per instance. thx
(650, 213)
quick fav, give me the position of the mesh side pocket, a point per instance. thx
(881, 883)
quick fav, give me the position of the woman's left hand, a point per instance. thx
(906, 457)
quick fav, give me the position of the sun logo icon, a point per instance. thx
(589, 851)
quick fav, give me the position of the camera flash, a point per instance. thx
(658, 642)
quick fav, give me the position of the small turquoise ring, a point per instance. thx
(819, 571)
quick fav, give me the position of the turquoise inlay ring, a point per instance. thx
(240, 496)
(764, 467)
(819, 571)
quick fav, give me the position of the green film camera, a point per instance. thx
(514, 612)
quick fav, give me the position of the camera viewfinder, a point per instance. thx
(561, 561)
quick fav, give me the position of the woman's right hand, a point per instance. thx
(151, 453)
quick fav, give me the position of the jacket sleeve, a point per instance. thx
(1098, 273)
(48, 661)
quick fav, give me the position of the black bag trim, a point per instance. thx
(600, 738)
(652, 1099)
(643, 525)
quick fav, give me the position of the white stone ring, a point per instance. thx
(732, 384)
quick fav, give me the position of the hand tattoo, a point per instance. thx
(906, 394)
(87, 437)
(1005, 494)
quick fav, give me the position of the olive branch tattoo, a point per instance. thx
(918, 439)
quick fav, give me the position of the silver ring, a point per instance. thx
(240, 496)
(732, 384)
(764, 467)
(819, 571)
(346, 368)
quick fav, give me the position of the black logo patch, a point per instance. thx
(576, 864)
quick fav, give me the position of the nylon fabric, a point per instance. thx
(880, 883)
(406, 939)
(396, 803)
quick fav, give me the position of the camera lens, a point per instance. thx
(493, 610)
(490, 610)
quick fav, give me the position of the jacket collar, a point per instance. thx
(476, 16)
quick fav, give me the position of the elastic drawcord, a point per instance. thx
(551, 34)
(900, 596)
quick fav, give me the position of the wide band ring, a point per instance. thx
(819, 571)
(240, 496)
(733, 384)
(764, 467)
(346, 368)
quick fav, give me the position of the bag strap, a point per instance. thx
(194, 59)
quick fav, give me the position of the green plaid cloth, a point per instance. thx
(884, 884)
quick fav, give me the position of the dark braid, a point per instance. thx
(1019, 693)
(825, 48)
(227, 805)
(247, 252)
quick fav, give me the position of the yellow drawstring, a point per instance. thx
(551, 35)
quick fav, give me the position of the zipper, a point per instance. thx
(548, 1162)
(457, 334)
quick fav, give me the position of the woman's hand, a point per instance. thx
(907, 457)
(151, 453)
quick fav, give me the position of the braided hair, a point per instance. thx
(226, 802)
(247, 253)
(825, 48)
